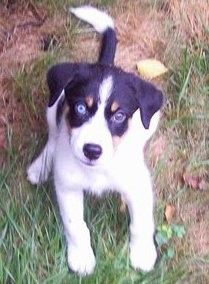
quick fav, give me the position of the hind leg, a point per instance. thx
(38, 172)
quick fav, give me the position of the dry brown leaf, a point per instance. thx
(195, 182)
(203, 185)
(169, 212)
(191, 181)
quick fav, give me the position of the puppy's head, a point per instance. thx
(100, 102)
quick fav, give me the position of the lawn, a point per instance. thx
(37, 34)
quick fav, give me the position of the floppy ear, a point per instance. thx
(58, 77)
(150, 100)
(61, 79)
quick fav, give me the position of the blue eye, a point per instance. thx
(80, 108)
(119, 117)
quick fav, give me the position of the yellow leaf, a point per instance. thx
(151, 68)
(169, 212)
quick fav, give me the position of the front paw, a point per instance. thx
(81, 260)
(143, 256)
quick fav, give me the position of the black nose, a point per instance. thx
(92, 151)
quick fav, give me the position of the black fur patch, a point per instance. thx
(150, 100)
(85, 84)
(123, 95)
(109, 42)
(82, 80)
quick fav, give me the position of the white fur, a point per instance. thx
(72, 177)
(98, 19)
(79, 252)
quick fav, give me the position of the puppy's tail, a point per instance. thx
(104, 25)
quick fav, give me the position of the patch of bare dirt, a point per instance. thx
(197, 217)
(23, 29)
(140, 35)
(190, 18)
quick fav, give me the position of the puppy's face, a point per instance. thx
(100, 104)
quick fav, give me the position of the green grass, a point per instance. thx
(187, 118)
(32, 244)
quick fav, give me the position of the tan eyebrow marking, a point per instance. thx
(114, 106)
(89, 101)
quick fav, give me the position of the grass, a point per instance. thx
(32, 245)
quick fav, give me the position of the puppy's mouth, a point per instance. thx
(89, 163)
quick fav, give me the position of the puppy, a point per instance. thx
(99, 119)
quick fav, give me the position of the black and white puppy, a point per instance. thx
(99, 119)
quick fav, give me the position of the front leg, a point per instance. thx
(140, 203)
(79, 252)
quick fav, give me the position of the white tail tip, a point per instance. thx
(98, 19)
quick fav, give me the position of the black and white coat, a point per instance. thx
(99, 120)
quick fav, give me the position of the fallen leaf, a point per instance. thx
(169, 212)
(203, 185)
(195, 182)
(191, 181)
(151, 68)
